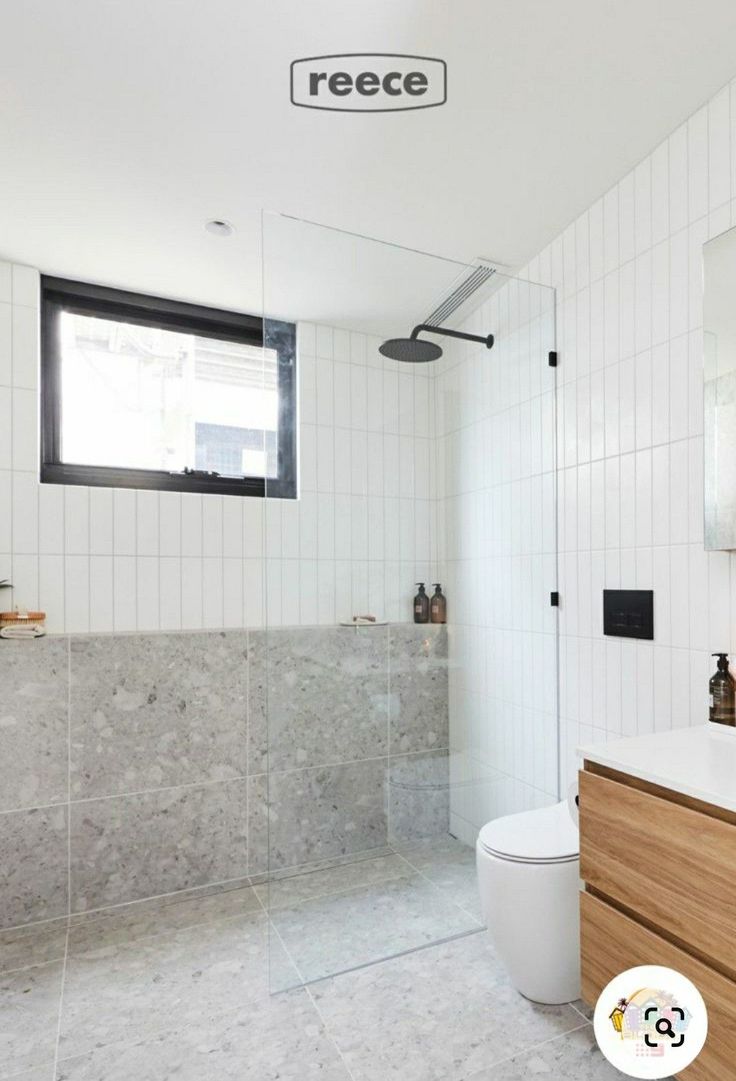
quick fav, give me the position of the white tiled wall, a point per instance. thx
(361, 535)
(630, 431)
(101, 560)
(628, 276)
(628, 280)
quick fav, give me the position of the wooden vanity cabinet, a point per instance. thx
(660, 888)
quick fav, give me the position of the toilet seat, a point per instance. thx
(544, 836)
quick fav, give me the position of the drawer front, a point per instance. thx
(673, 865)
(611, 942)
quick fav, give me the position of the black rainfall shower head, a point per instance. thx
(411, 350)
(415, 350)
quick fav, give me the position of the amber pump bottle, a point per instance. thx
(421, 605)
(722, 688)
(438, 605)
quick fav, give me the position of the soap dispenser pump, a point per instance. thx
(722, 688)
(421, 605)
(438, 605)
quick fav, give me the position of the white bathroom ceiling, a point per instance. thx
(124, 126)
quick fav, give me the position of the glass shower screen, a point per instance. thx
(381, 744)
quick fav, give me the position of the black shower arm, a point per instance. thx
(427, 328)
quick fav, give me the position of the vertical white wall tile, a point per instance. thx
(51, 519)
(191, 525)
(25, 442)
(191, 593)
(660, 193)
(101, 594)
(147, 601)
(100, 519)
(25, 347)
(212, 592)
(697, 138)
(719, 148)
(124, 522)
(679, 216)
(6, 341)
(124, 592)
(51, 591)
(76, 593)
(25, 286)
(76, 520)
(170, 589)
(147, 523)
(24, 513)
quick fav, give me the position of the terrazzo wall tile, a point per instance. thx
(149, 711)
(418, 687)
(168, 741)
(128, 847)
(258, 824)
(327, 695)
(258, 647)
(33, 723)
(418, 796)
(33, 858)
(326, 812)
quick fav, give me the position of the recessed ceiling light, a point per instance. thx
(219, 227)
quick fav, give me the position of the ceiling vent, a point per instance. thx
(469, 285)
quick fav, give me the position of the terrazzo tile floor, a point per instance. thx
(181, 989)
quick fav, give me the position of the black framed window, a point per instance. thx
(143, 392)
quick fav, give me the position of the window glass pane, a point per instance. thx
(145, 398)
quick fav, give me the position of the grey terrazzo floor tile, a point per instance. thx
(583, 1008)
(360, 926)
(442, 1013)
(450, 866)
(29, 1013)
(38, 1073)
(158, 983)
(35, 944)
(276, 1039)
(572, 1057)
(298, 888)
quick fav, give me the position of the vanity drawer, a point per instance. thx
(673, 865)
(611, 942)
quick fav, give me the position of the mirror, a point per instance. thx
(719, 350)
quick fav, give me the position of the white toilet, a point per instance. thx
(528, 876)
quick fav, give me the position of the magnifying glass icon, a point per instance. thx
(664, 1027)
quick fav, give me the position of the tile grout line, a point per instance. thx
(481, 925)
(524, 1051)
(580, 1012)
(328, 1032)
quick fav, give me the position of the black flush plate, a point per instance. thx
(628, 613)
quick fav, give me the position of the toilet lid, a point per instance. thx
(546, 835)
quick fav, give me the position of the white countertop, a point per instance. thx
(698, 762)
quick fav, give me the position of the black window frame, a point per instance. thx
(63, 295)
